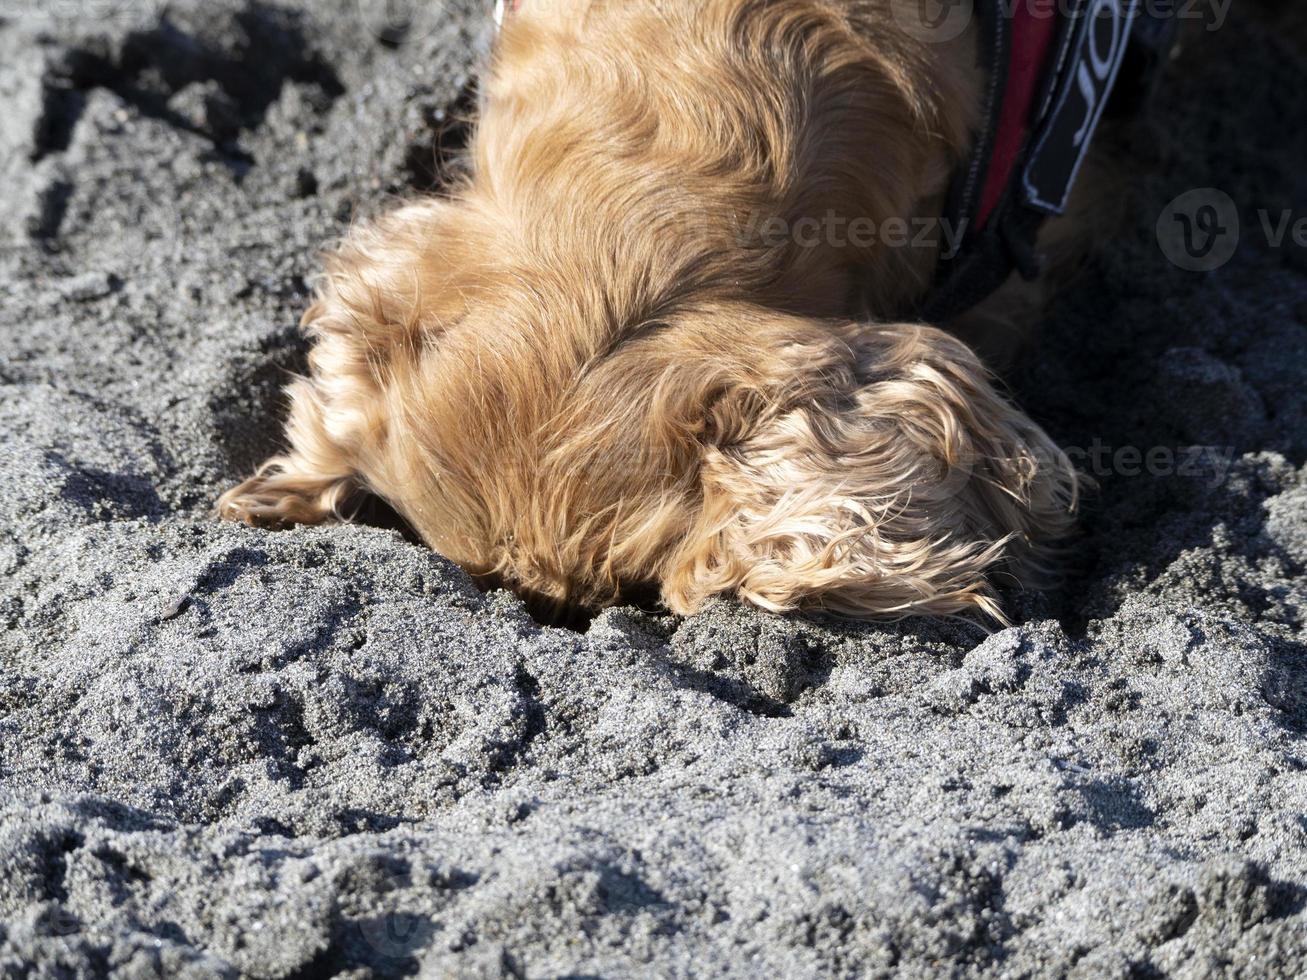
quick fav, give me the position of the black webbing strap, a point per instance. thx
(1106, 50)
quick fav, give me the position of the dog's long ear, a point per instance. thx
(386, 292)
(885, 476)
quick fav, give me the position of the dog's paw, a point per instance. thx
(280, 496)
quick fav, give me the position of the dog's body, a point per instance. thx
(591, 369)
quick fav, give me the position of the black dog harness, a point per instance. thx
(1055, 69)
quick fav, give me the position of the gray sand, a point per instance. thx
(225, 752)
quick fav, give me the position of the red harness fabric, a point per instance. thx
(1034, 30)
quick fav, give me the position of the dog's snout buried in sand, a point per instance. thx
(703, 316)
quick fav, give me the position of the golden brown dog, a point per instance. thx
(587, 370)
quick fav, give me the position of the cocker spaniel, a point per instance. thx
(667, 333)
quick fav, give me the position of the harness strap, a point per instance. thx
(1055, 65)
(1031, 46)
(505, 6)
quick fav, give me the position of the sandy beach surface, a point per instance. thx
(226, 752)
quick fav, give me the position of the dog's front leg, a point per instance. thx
(386, 289)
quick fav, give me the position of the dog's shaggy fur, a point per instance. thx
(583, 373)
